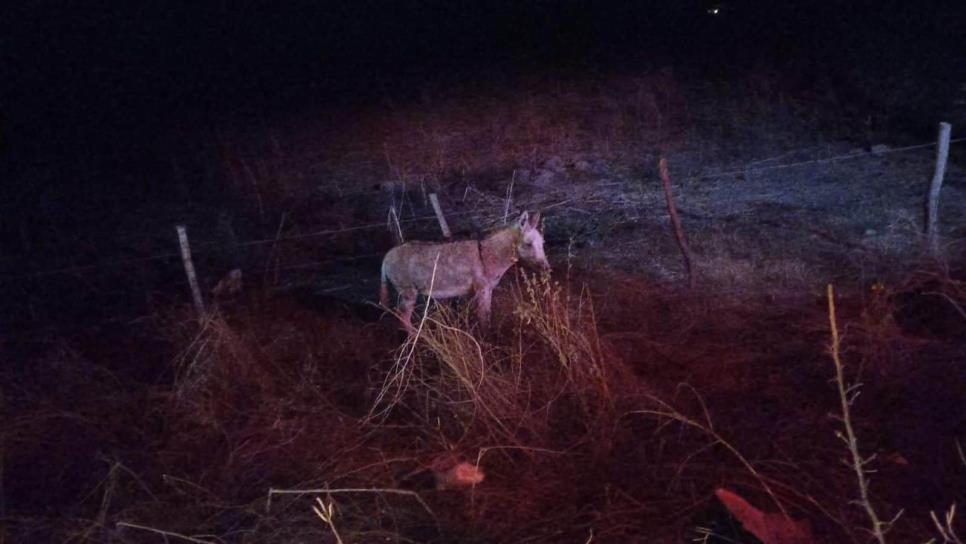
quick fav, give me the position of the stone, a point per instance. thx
(879, 149)
(543, 178)
(555, 164)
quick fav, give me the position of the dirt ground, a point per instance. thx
(610, 402)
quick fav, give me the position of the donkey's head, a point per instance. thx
(530, 242)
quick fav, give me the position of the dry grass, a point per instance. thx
(268, 395)
(543, 406)
(416, 146)
(566, 324)
(504, 387)
(446, 365)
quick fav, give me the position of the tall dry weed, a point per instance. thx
(216, 369)
(445, 369)
(539, 381)
(566, 325)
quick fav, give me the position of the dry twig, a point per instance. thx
(847, 395)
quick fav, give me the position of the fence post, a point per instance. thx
(932, 204)
(443, 226)
(672, 210)
(189, 270)
(509, 197)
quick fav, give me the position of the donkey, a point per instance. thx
(461, 268)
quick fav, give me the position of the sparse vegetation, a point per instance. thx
(608, 404)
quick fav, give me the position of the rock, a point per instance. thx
(522, 175)
(462, 474)
(770, 528)
(390, 186)
(543, 178)
(229, 285)
(555, 164)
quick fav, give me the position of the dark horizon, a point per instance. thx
(126, 66)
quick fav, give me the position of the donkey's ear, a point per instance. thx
(524, 221)
(535, 220)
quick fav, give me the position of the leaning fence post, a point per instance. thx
(932, 204)
(443, 226)
(672, 210)
(393, 221)
(189, 270)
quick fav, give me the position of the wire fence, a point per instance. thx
(837, 158)
(201, 250)
(248, 243)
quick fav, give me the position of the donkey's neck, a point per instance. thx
(498, 252)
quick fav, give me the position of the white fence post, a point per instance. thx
(443, 226)
(189, 270)
(392, 220)
(932, 204)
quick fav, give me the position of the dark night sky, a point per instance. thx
(75, 77)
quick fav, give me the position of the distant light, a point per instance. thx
(714, 11)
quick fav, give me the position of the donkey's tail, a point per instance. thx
(384, 288)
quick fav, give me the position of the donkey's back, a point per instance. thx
(447, 269)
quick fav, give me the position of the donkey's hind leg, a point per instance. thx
(407, 301)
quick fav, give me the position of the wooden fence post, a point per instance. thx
(672, 210)
(932, 203)
(189, 270)
(443, 226)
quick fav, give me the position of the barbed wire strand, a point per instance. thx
(836, 158)
(332, 232)
(194, 251)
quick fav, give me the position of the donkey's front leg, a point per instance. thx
(483, 300)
